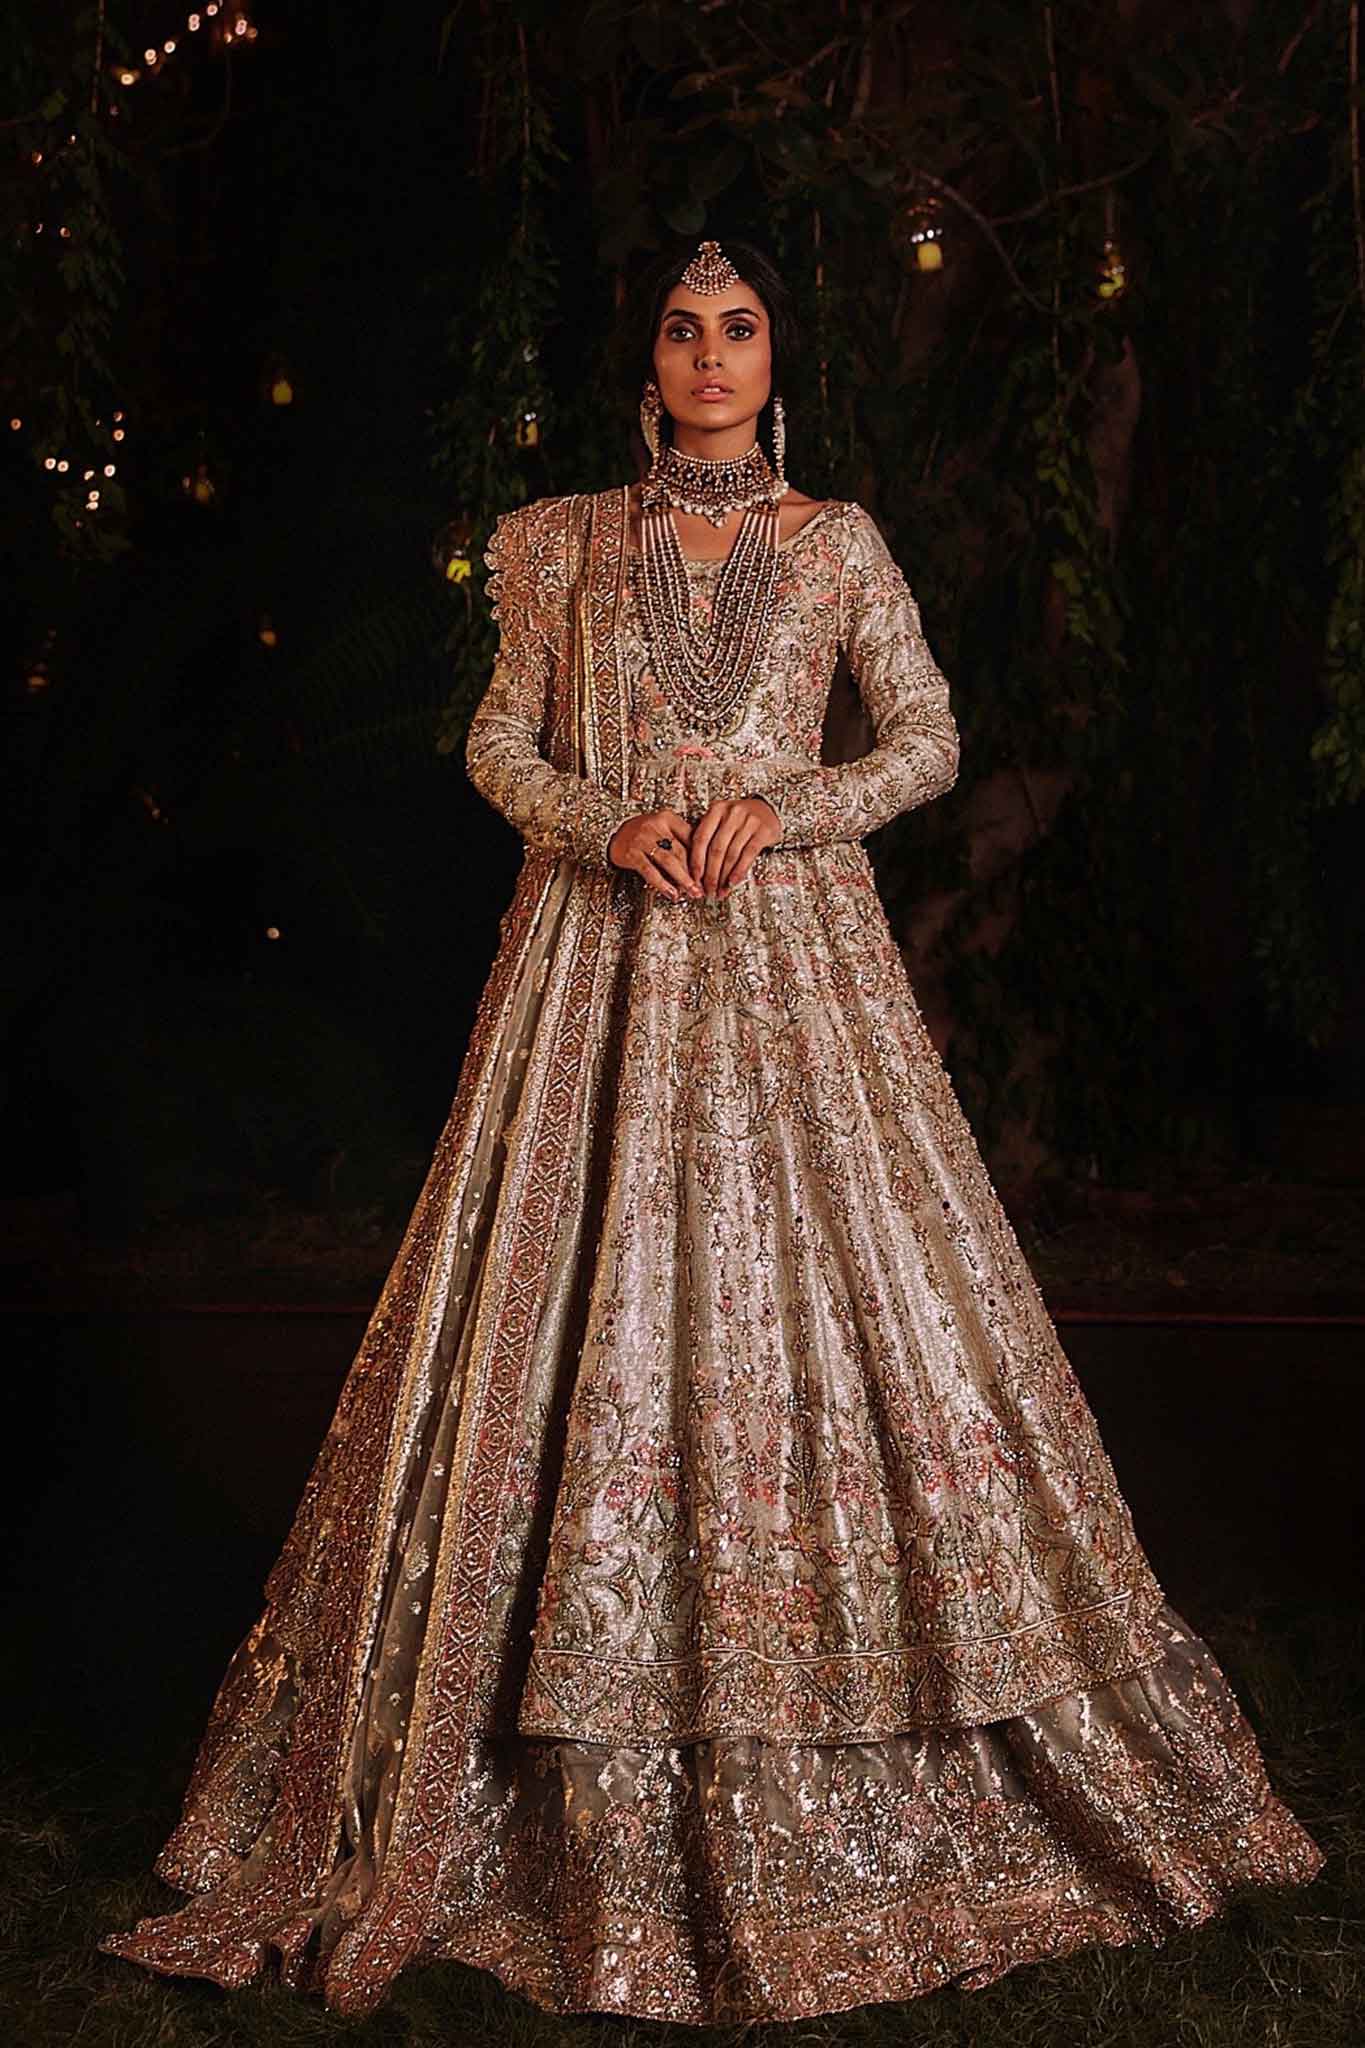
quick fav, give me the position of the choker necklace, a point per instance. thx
(711, 487)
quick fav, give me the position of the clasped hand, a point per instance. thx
(709, 858)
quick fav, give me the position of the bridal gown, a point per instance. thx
(712, 1599)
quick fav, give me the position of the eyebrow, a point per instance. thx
(687, 313)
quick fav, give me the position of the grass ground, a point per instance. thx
(1277, 1970)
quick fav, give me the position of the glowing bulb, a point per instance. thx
(16, 424)
(63, 465)
(118, 433)
(193, 22)
(169, 47)
(150, 55)
(108, 469)
(272, 931)
(1113, 276)
(50, 463)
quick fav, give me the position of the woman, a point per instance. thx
(712, 1599)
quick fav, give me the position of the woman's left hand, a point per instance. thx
(727, 839)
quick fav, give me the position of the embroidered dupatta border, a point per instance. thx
(454, 1681)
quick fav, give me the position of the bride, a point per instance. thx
(712, 1599)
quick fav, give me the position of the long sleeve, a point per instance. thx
(915, 755)
(554, 810)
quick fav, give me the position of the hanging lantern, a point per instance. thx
(1113, 277)
(451, 550)
(200, 486)
(917, 231)
(275, 382)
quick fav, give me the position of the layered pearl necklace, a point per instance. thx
(707, 675)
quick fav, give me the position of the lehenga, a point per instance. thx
(712, 1599)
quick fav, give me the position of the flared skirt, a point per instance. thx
(712, 1599)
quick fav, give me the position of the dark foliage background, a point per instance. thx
(1115, 435)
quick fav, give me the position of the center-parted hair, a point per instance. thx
(638, 328)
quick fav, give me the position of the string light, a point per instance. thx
(238, 31)
(60, 465)
(228, 34)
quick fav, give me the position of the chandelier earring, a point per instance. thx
(651, 413)
(779, 440)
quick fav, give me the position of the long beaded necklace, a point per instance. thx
(706, 675)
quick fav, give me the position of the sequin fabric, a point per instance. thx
(712, 1599)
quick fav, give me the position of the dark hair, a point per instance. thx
(639, 325)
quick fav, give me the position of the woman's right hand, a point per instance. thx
(635, 844)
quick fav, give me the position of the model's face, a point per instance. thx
(713, 357)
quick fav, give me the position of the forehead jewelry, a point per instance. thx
(710, 271)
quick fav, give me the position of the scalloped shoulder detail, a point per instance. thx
(522, 550)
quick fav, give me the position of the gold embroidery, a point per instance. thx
(712, 1599)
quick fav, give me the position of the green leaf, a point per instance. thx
(685, 215)
(710, 172)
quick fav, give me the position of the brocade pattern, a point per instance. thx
(713, 1599)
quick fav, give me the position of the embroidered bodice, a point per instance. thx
(838, 587)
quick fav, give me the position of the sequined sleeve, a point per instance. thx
(555, 810)
(915, 754)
